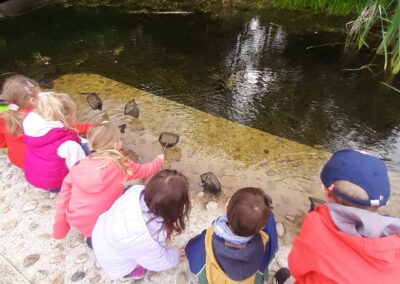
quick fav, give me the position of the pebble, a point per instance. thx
(46, 207)
(19, 247)
(59, 258)
(280, 228)
(5, 209)
(82, 258)
(44, 236)
(33, 226)
(79, 275)
(41, 274)
(212, 206)
(7, 227)
(201, 194)
(95, 279)
(58, 279)
(290, 218)
(30, 205)
(31, 259)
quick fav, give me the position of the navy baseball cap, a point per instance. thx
(362, 169)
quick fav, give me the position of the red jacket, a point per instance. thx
(90, 188)
(16, 146)
(323, 254)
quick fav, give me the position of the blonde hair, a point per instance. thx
(102, 141)
(352, 190)
(18, 90)
(57, 106)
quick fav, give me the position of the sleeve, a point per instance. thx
(159, 258)
(302, 256)
(272, 245)
(144, 170)
(83, 128)
(72, 152)
(3, 143)
(61, 226)
(196, 252)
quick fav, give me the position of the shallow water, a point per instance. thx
(260, 70)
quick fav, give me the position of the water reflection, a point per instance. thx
(254, 70)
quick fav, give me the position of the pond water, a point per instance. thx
(264, 70)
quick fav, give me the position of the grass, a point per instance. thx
(378, 28)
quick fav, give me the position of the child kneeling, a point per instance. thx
(131, 236)
(239, 246)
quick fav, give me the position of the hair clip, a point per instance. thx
(13, 107)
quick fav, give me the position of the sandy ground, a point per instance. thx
(239, 155)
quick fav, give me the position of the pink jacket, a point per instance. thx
(43, 167)
(321, 253)
(90, 189)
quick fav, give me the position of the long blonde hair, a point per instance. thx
(18, 90)
(103, 138)
(57, 106)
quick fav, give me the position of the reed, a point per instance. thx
(378, 28)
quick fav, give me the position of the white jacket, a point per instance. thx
(121, 239)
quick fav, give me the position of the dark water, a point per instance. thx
(258, 70)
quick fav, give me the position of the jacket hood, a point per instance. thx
(93, 175)
(374, 237)
(37, 126)
(239, 264)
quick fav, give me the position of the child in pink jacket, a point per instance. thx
(96, 182)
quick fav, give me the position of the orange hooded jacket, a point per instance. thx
(323, 254)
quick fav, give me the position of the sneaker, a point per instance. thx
(138, 273)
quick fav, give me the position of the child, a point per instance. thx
(22, 95)
(96, 182)
(52, 145)
(130, 237)
(346, 240)
(240, 244)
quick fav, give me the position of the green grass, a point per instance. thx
(378, 28)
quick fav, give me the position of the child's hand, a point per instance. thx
(182, 253)
(161, 156)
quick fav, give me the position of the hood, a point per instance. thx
(363, 223)
(36, 126)
(95, 175)
(239, 264)
(374, 237)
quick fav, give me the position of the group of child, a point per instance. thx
(342, 241)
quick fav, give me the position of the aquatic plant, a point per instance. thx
(378, 28)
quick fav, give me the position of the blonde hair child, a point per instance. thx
(96, 182)
(21, 94)
(53, 146)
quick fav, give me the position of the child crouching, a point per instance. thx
(53, 146)
(239, 245)
(96, 182)
(346, 240)
(131, 236)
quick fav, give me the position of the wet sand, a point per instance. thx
(240, 156)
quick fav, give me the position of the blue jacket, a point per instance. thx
(237, 264)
